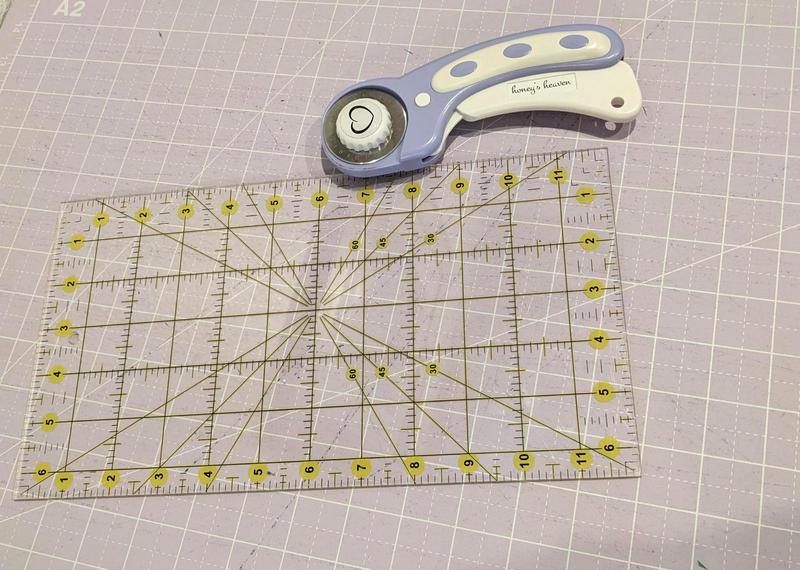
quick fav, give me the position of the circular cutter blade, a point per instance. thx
(332, 141)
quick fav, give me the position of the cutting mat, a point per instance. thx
(462, 324)
(121, 98)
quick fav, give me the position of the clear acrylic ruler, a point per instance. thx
(459, 325)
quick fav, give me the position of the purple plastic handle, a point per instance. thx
(426, 125)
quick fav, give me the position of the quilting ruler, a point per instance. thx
(459, 325)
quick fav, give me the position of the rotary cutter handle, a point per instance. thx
(401, 123)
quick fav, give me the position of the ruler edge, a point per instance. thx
(615, 249)
(356, 182)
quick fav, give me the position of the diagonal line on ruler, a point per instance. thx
(176, 396)
(348, 307)
(272, 244)
(276, 243)
(136, 250)
(474, 209)
(403, 392)
(83, 344)
(216, 336)
(463, 309)
(243, 272)
(472, 253)
(179, 447)
(363, 231)
(173, 335)
(342, 218)
(258, 406)
(327, 298)
(440, 350)
(254, 252)
(363, 391)
(456, 380)
(568, 311)
(509, 207)
(376, 402)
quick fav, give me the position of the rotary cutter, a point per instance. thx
(397, 124)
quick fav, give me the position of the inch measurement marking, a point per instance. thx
(320, 333)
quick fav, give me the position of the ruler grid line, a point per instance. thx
(216, 341)
(311, 380)
(80, 360)
(411, 337)
(364, 400)
(516, 368)
(175, 307)
(467, 438)
(558, 176)
(125, 336)
(272, 242)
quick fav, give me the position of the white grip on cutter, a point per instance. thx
(609, 93)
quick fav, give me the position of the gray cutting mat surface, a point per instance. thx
(130, 97)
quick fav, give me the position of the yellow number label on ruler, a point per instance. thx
(49, 422)
(524, 461)
(382, 371)
(508, 181)
(159, 477)
(581, 459)
(309, 470)
(42, 471)
(415, 465)
(62, 480)
(229, 207)
(352, 374)
(319, 199)
(274, 203)
(64, 328)
(557, 176)
(468, 463)
(589, 241)
(411, 190)
(207, 473)
(143, 215)
(56, 374)
(361, 468)
(459, 185)
(382, 242)
(110, 478)
(76, 242)
(585, 195)
(608, 446)
(593, 288)
(258, 472)
(598, 339)
(185, 211)
(100, 219)
(365, 195)
(70, 284)
(603, 392)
